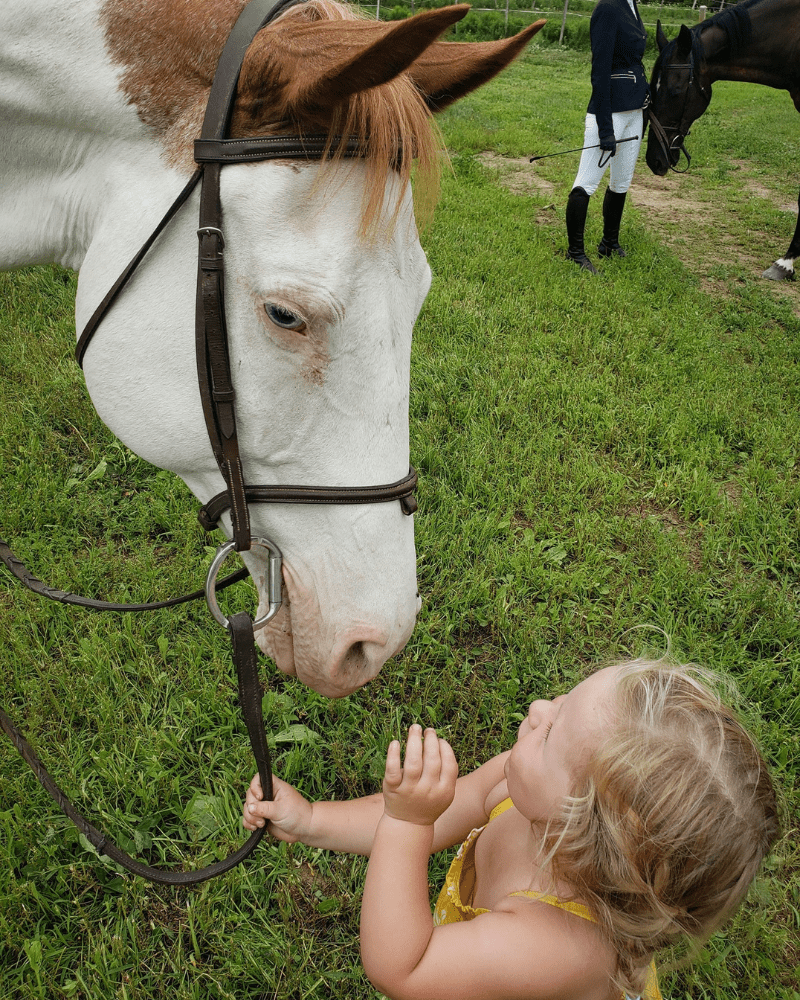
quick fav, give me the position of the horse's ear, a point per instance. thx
(309, 67)
(447, 71)
(684, 42)
(661, 38)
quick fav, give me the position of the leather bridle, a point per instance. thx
(212, 151)
(667, 145)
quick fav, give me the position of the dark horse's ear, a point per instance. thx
(684, 42)
(661, 38)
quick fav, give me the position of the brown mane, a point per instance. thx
(169, 50)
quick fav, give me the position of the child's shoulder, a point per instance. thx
(573, 957)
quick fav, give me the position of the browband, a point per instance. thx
(277, 147)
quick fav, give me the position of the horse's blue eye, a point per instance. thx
(284, 318)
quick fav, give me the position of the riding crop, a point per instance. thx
(580, 149)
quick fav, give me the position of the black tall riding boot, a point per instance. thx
(613, 205)
(577, 207)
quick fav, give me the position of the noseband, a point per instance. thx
(682, 131)
(212, 151)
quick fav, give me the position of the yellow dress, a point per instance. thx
(450, 909)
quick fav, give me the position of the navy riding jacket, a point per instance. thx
(618, 40)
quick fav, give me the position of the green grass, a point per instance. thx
(595, 456)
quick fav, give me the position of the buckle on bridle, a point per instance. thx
(209, 230)
(274, 581)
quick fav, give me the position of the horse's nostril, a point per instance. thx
(354, 659)
(359, 663)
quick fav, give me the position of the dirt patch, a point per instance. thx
(696, 223)
(732, 491)
(665, 198)
(755, 187)
(707, 234)
(689, 227)
(308, 891)
(671, 522)
(516, 174)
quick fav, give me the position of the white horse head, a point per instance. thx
(325, 274)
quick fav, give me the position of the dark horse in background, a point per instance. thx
(755, 41)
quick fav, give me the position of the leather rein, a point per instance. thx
(212, 151)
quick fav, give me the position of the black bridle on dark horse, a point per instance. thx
(682, 129)
(212, 151)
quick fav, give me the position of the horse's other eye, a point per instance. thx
(284, 318)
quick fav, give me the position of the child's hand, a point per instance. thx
(419, 790)
(288, 815)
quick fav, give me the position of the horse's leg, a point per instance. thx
(783, 269)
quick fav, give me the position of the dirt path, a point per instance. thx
(705, 234)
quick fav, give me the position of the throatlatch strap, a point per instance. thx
(110, 297)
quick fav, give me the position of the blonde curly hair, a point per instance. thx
(670, 820)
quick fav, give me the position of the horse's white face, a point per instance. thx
(326, 404)
(100, 102)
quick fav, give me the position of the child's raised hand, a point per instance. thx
(423, 786)
(288, 814)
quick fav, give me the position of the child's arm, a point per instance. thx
(349, 826)
(469, 808)
(520, 951)
(395, 907)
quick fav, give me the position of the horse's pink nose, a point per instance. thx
(354, 662)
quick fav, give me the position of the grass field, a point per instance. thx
(595, 454)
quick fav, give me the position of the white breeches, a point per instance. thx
(622, 163)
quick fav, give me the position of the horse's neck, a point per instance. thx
(67, 137)
(769, 58)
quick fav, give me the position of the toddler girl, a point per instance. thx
(631, 813)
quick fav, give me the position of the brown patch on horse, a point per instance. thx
(169, 57)
(325, 68)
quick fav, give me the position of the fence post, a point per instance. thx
(563, 22)
(702, 8)
(378, 11)
(506, 16)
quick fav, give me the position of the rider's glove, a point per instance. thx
(609, 144)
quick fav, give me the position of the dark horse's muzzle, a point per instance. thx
(664, 150)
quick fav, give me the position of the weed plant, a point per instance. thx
(604, 461)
